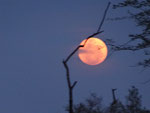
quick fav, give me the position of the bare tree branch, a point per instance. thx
(74, 84)
(71, 86)
(104, 16)
(141, 16)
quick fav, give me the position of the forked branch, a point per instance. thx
(71, 86)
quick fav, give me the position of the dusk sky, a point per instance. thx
(35, 37)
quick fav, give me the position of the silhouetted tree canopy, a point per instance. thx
(118, 107)
(93, 104)
(141, 40)
(134, 104)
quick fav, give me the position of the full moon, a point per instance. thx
(94, 52)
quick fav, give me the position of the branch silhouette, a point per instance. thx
(71, 86)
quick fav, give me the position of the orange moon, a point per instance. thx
(94, 52)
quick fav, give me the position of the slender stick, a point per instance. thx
(104, 16)
(81, 45)
(70, 87)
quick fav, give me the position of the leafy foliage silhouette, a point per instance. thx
(134, 101)
(141, 16)
(93, 104)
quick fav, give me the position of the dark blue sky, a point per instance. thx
(36, 35)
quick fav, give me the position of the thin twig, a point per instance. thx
(91, 37)
(73, 53)
(67, 71)
(148, 81)
(104, 16)
(74, 84)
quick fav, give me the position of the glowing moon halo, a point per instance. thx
(94, 52)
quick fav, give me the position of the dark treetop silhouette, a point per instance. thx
(93, 104)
